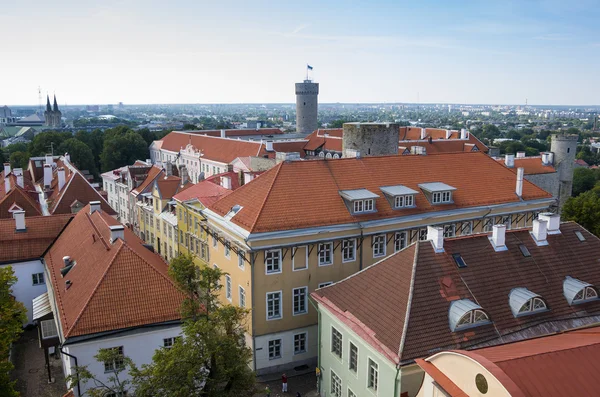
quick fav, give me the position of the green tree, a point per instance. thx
(46, 141)
(80, 153)
(584, 179)
(585, 210)
(189, 127)
(95, 141)
(12, 317)
(122, 148)
(211, 359)
(16, 147)
(490, 131)
(114, 385)
(19, 160)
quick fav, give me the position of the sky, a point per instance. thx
(196, 51)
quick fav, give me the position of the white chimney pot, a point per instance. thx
(6, 169)
(19, 220)
(519, 187)
(436, 235)
(540, 232)
(47, 174)
(509, 160)
(7, 185)
(94, 206)
(553, 222)
(61, 178)
(116, 232)
(498, 238)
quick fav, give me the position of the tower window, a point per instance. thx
(568, 150)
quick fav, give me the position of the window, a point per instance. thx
(274, 349)
(37, 278)
(400, 240)
(349, 250)
(336, 342)
(466, 228)
(169, 342)
(351, 393)
(325, 254)
(473, 317)
(241, 263)
(273, 261)
(458, 259)
(367, 205)
(378, 245)
(242, 293)
(504, 220)
(300, 300)
(181, 236)
(336, 385)
(441, 197)
(325, 284)
(117, 363)
(353, 360)
(404, 201)
(422, 234)
(274, 305)
(532, 306)
(373, 375)
(464, 313)
(488, 225)
(228, 287)
(300, 343)
(449, 230)
(48, 328)
(227, 251)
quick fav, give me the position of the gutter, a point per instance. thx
(318, 341)
(60, 348)
(396, 381)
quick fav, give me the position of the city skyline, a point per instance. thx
(137, 53)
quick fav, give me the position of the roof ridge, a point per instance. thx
(126, 245)
(409, 302)
(262, 206)
(556, 349)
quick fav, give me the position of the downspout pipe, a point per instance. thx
(60, 348)
(318, 341)
(396, 381)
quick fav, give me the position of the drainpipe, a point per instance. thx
(60, 348)
(362, 242)
(318, 343)
(396, 382)
(251, 252)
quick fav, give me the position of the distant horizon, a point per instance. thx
(235, 52)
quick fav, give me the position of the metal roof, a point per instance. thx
(41, 306)
(436, 187)
(571, 287)
(458, 309)
(358, 194)
(397, 190)
(518, 297)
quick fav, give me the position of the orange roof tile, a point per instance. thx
(237, 132)
(441, 379)
(170, 186)
(207, 192)
(114, 285)
(303, 194)
(18, 196)
(40, 233)
(531, 165)
(153, 173)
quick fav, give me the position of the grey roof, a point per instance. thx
(458, 309)
(397, 190)
(436, 187)
(518, 297)
(358, 194)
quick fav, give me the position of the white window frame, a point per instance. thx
(336, 385)
(321, 249)
(228, 293)
(404, 201)
(242, 296)
(305, 343)
(466, 229)
(372, 387)
(341, 343)
(351, 393)
(358, 206)
(297, 269)
(305, 303)
(269, 349)
(115, 365)
(375, 241)
(369, 205)
(325, 284)
(355, 370)
(280, 315)
(398, 238)
(449, 230)
(267, 259)
(352, 242)
(48, 329)
(38, 279)
(241, 262)
(443, 197)
(227, 250)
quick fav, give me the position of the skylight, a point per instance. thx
(460, 262)
(524, 250)
(234, 210)
(579, 235)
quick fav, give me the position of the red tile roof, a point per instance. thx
(531, 165)
(40, 233)
(153, 173)
(364, 300)
(441, 379)
(114, 285)
(205, 191)
(170, 186)
(76, 188)
(303, 194)
(237, 132)
(27, 201)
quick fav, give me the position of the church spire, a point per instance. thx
(55, 104)
(48, 107)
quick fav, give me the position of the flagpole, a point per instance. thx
(307, 71)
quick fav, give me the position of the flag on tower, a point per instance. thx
(309, 67)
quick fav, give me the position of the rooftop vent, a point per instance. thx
(539, 232)
(524, 251)
(436, 235)
(19, 217)
(234, 210)
(94, 206)
(498, 238)
(579, 235)
(553, 222)
(116, 232)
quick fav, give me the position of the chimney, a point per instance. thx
(149, 161)
(169, 170)
(545, 158)
(223, 134)
(47, 175)
(258, 125)
(352, 153)
(61, 178)
(509, 160)
(269, 146)
(94, 206)
(550, 158)
(20, 181)
(423, 133)
(116, 231)
(463, 133)
(520, 155)
(498, 238)
(436, 235)
(240, 178)
(448, 134)
(184, 175)
(67, 156)
(519, 187)
(6, 185)
(226, 182)
(49, 159)
(553, 220)
(18, 171)
(540, 232)
(19, 220)
(6, 169)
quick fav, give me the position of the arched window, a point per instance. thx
(577, 291)
(466, 314)
(336, 156)
(321, 154)
(328, 156)
(524, 302)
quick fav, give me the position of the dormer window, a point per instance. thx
(523, 302)
(399, 196)
(465, 314)
(438, 192)
(577, 291)
(359, 201)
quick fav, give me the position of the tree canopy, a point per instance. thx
(585, 210)
(80, 153)
(584, 179)
(122, 146)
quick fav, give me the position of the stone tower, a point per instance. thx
(52, 116)
(563, 148)
(370, 139)
(306, 106)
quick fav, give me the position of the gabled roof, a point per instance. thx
(76, 188)
(25, 200)
(113, 285)
(40, 233)
(206, 192)
(170, 186)
(153, 173)
(237, 132)
(303, 194)
(413, 322)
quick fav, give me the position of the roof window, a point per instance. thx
(460, 262)
(233, 211)
(400, 196)
(524, 250)
(359, 201)
(579, 235)
(464, 314)
(524, 302)
(577, 291)
(438, 192)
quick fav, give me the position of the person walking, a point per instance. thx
(284, 383)
(268, 391)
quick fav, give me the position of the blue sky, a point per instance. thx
(146, 51)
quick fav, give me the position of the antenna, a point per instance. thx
(40, 99)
